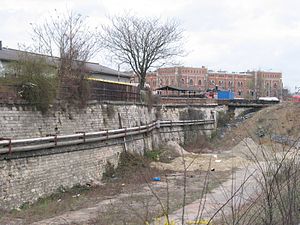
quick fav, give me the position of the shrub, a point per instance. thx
(34, 79)
(223, 118)
(153, 155)
(149, 98)
(75, 90)
(38, 90)
(109, 171)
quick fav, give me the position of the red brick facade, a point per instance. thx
(248, 84)
(181, 77)
(268, 83)
(241, 84)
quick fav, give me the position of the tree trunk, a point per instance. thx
(142, 82)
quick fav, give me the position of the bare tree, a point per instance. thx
(68, 37)
(142, 43)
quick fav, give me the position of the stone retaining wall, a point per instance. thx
(26, 176)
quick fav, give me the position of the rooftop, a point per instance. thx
(229, 73)
(8, 54)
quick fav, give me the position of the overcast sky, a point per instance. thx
(232, 35)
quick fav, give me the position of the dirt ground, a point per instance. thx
(282, 119)
(217, 162)
(132, 197)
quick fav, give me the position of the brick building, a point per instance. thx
(242, 84)
(268, 83)
(250, 84)
(183, 77)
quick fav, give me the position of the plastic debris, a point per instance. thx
(156, 179)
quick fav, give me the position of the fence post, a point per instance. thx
(9, 143)
(55, 139)
(121, 126)
(83, 135)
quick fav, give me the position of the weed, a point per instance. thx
(153, 155)
(223, 118)
(25, 205)
(109, 171)
(191, 114)
(110, 111)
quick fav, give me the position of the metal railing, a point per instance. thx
(95, 90)
(185, 100)
(10, 146)
(100, 94)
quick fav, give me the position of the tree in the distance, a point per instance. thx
(142, 43)
(67, 36)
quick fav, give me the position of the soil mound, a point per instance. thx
(282, 119)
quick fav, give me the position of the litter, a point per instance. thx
(156, 179)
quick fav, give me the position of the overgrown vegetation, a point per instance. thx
(130, 167)
(153, 155)
(149, 98)
(33, 80)
(74, 91)
(223, 118)
(191, 114)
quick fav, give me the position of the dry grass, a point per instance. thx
(280, 119)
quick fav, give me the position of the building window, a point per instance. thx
(172, 82)
(199, 82)
(167, 81)
(191, 82)
(182, 81)
(160, 82)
